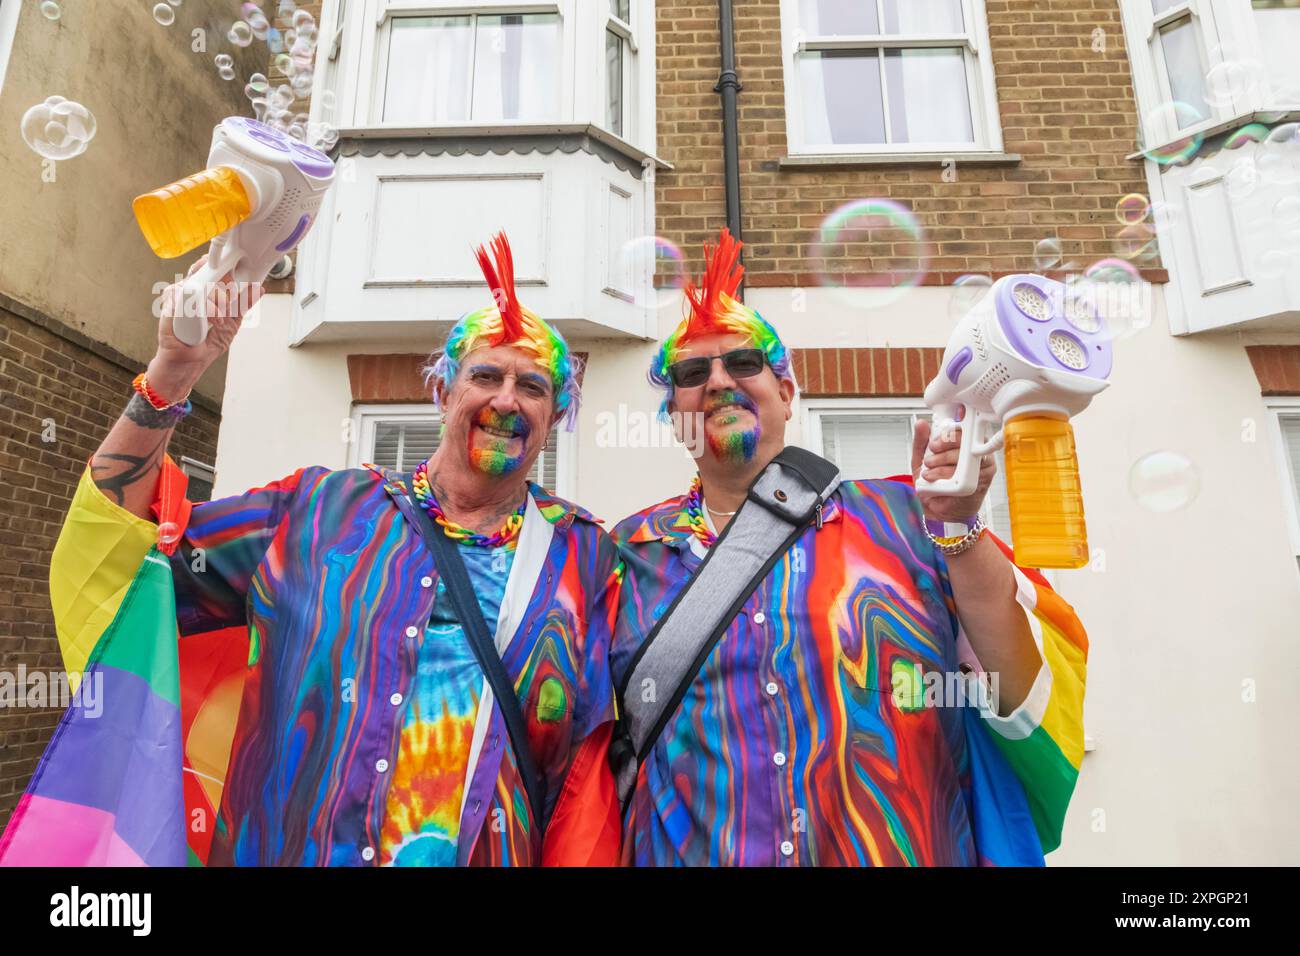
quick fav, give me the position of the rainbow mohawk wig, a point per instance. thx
(506, 322)
(714, 309)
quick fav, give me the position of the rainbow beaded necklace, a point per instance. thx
(506, 535)
(695, 514)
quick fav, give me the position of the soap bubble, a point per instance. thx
(1132, 209)
(287, 7)
(1279, 155)
(1136, 241)
(223, 61)
(1250, 133)
(327, 101)
(50, 10)
(966, 294)
(226, 73)
(1112, 270)
(1163, 481)
(1164, 214)
(871, 252)
(1242, 178)
(274, 40)
(164, 14)
(169, 532)
(329, 136)
(282, 63)
(58, 128)
(1179, 116)
(1232, 80)
(297, 132)
(241, 34)
(259, 25)
(259, 82)
(249, 10)
(1047, 253)
(652, 269)
(301, 84)
(1287, 214)
(1275, 263)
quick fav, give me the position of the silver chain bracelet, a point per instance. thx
(964, 543)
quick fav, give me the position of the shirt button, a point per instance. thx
(368, 853)
(787, 848)
(395, 699)
(412, 631)
(426, 582)
(381, 764)
(759, 618)
(771, 688)
(778, 758)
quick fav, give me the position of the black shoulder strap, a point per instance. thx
(784, 499)
(451, 570)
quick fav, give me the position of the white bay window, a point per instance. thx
(886, 76)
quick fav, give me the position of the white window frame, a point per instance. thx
(9, 11)
(366, 416)
(627, 31)
(194, 468)
(1226, 31)
(1279, 406)
(370, 41)
(812, 410)
(981, 85)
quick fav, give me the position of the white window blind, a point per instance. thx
(877, 445)
(402, 444)
(1291, 440)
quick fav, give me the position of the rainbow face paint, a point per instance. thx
(726, 442)
(507, 322)
(714, 309)
(494, 457)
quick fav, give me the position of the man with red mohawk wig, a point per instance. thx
(777, 706)
(371, 727)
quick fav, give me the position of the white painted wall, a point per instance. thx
(1189, 606)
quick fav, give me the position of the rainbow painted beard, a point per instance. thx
(494, 458)
(735, 446)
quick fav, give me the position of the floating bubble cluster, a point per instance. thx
(58, 128)
(885, 246)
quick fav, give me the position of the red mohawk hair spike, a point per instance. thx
(501, 280)
(722, 275)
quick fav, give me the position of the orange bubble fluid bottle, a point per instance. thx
(1044, 493)
(191, 211)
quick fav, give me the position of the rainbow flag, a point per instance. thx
(125, 783)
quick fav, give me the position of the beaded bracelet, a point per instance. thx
(180, 409)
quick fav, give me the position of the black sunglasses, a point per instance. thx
(740, 363)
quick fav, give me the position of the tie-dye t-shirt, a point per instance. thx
(422, 819)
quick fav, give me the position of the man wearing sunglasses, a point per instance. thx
(797, 734)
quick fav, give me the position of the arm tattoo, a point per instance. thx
(145, 415)
(125, 470)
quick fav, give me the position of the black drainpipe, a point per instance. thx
(729, 85)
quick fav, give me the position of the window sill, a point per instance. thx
(862, 160)
(1268, 118)
(506, 131)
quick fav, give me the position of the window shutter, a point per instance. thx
(868, 446)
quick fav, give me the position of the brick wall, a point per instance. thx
(54, 383)
(1066, 109)
(852, 373)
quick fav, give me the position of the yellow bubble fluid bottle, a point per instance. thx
(1044, 494)
(192, 211)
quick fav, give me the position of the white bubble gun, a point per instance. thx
(1025, 359)
(255, 202)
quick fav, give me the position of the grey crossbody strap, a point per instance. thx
(784, 499)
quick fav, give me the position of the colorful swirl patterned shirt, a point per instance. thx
(298, 606)
(794, 746)
(422, 817)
